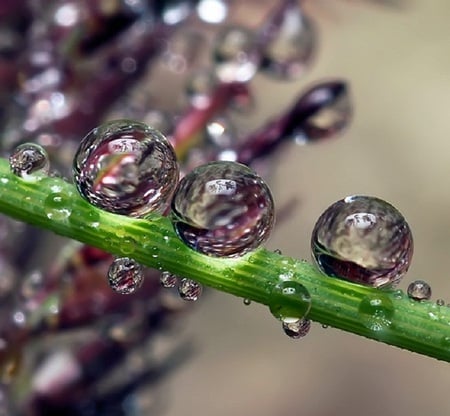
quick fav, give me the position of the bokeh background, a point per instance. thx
(397, 60)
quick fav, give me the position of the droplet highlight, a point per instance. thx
(363, 239)
(125, 275)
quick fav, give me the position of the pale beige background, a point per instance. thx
(398, 148)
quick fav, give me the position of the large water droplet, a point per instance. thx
(235, 55)
(289, 301)
(363, 239)
(297, 328)
(29, 159)
(419, 290)
(223, 209)
(290, 41)
(376, 312)
(127, 168)
(189, 289)
(125, 275)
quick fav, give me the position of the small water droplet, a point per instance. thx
(324, 326)
(212, 11)
(235, 55)
(419, 290)
(126, 167)
(82, 218)
(296, 329)
(189, 289)
(247, 301)
(289, 300)
(125, 275)
(363, 239)
(278, 251)
(223, 209)
(200, 88)
(440, 302)
(58, 205)
(221, 132)
(168, 280)
(376, 312)
(398, 294)
(29, 159)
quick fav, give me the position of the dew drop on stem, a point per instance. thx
(29, 159)
(296, 329)
(189, 289)
(168, 280)
(419, 290)
(289, 301)
(125, 275)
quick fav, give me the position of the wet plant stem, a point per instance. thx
(388, 316)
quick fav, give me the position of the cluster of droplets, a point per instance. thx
(188, 289)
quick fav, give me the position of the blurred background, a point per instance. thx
(398, 63)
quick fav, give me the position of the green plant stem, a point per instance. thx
(384, 315)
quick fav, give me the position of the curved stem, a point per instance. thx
(384, 315)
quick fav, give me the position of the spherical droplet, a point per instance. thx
(58, 204)
(289, 301)
(189, 289)
(223, 209)
(419, 290)
(29, 159)
(247, 301)
(440, 302)
(297, 329)
(126, 167)
(212, 11)
(168, 279)
(363, 239)
(235, 55)
(200, 88)
(125, 275)
(376, 312)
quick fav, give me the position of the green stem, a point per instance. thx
(384, 315)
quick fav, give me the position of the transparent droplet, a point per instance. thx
(200, 88)
(235, 55)
(376, 312)
(223, 209)
(297, 329)
(212, 11)
(221, 132)
(247, 301)
(58, 205)
(29, 159)
(189, 289)
(419, 290)
(172, 12)
(363, 239)
(125, 275)
(440, 302)
(168, 279)
(289, 301)
(126, 167)
(278, 251)
(322, 112)
(289, 44)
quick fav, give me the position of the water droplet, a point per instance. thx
(125, 275)
(200, 88)
(83, 218)
(126, 167)
(247, 301)
(168, 280)
(278, 251)
(289, 300)
(324, 326)
(189, 289)
(440, 302)
(29, 159)
(212, 11)
(419, 290)
(289, 43)
(297, 329)
(221, 132)
(363, 239)
(322, 112)
(223, 209)
(58, 205)
(376, 312)
(235, 55)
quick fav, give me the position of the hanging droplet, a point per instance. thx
(419, 290)
(288, 44)
(235, 55)
(223, 209)
(376, 312)
(168, 280)
(322, 111)
(126, 167)
(363, 239)
(125, 275)
(189, 289)
(29, 159)
(247, 301)
(289, 301)
(297, 329)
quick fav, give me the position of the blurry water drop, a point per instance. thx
(127, 168)
(289, 300)
(158, 120)
(235, 55)
(125, 275)
(363, 239)
(324, 326)
(221, 132)
(32, 284)
(376, 312)
(297, 328)
(168, 279)
(29, 159)
(247, 301)
(419, 290)
(223, 209)
(212, 11)
(440, 302)
(189, 289)
(10, 362)
(173, 12)
(200, 88)
(278, 251)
